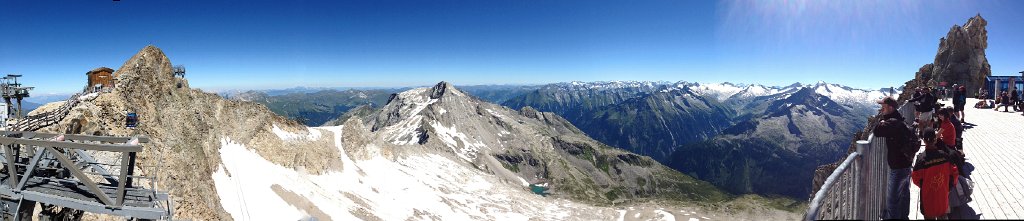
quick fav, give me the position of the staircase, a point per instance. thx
(34, 122)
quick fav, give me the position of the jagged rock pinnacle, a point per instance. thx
(438, 90)
(960, 58)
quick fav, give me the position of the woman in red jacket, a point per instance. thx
(935, 176)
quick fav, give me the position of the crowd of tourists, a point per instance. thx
(1005, 99)
(939, 170)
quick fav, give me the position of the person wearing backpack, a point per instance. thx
(936, 177)
(902, 144)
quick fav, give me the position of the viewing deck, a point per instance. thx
(994, 153)
(994, 147)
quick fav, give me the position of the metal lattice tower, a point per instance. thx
(11, 89)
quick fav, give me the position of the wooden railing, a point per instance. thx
(34, 122)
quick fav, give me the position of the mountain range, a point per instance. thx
(663, 120)
(672, 121)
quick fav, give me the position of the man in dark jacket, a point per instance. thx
(900, 154)
(1014, 98)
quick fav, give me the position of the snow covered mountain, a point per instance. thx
(725, 90)
(517, 145)
(720, 91)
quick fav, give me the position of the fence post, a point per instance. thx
(864, 171)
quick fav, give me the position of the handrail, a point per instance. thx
(48, 149)
(856, 188)
(76, 137)
(813, 211)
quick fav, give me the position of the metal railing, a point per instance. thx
(856, 189)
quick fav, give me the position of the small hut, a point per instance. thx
(100, 78)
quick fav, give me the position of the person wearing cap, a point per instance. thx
(935, 175)
(901, 147)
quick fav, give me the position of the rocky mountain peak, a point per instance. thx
(439, 89)
(976, 27)
(148, 69)
(809, 99)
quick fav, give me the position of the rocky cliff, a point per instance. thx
(961, 56)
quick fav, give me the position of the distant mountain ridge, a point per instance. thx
(658, 119)
(327, 106)
(316, 108)
(766, 154)
(587, 105)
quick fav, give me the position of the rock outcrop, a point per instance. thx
(961, 57)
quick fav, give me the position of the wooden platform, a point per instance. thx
(994, 146)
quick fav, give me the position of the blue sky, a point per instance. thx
(277, 44)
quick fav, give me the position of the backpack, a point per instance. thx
(910, 140)
(960, 194)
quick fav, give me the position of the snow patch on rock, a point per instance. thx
(243, 182)
(665, 215)
(311, 134)
(465, 147)
(406, 131)
(420, 187)
(89, 96)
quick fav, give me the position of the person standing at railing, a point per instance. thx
(902, 144)
(936, 176)
(925, 108)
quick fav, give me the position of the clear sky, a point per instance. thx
(280, 44)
